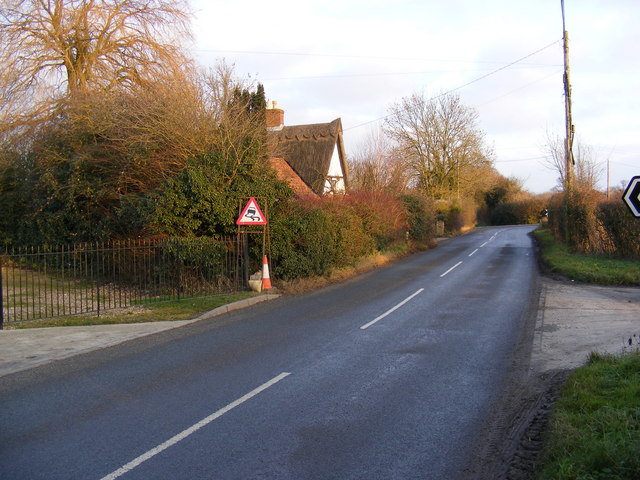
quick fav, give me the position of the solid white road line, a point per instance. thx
(185, 433)
(472, 253)
(455, 266)
(377, 319)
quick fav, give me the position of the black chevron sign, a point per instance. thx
(632, 196)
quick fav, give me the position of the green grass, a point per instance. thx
(595, 425)
(184, 309)
(557, 258)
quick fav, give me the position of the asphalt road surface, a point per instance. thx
(386, 376)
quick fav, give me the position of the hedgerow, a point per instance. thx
(313, 237)
(593, 225)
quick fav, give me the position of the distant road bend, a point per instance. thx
(386, 376)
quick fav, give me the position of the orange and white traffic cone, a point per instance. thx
(266, 279)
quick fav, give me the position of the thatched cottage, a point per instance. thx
(310, 157)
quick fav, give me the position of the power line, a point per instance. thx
(378, 74)
(468, 83)
(520, 160)
(362, 57)
(519, 88)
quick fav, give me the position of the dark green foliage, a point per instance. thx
(313, 238)
(495, 196)
(420, 218)
(451, 214)
(301, 242)
(517, 213)
(204, 199)
(55, 194)
(201, 252)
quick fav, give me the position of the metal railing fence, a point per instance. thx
(45, 282)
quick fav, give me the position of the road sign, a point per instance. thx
(632, 196)
(251, 214)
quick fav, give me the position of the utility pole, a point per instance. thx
(570, 130)
(608, 175)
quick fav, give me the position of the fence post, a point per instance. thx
(1, 295)
(180, 267)
(97, 249)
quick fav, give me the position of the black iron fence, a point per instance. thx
(45, 282)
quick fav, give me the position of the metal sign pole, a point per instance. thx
(250, 217)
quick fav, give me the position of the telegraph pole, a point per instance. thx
(569, 128)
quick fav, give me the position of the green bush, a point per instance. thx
(622, 229)
(350, 238)
(517, 213)
(421, 218)
(452, 214)
(594, 226)
(203, 199)
(301, 241)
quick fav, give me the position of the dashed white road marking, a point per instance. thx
(448, 271)
(185, 433)
(377, 319)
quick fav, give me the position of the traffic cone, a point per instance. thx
(266, 280)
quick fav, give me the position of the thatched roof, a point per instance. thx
(308, 150)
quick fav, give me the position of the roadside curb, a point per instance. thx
(248, 302)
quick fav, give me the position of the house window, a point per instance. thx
(333, 185)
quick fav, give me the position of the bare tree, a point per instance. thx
(587, 169)
(53, 49)
(376, 166)
(440, 141)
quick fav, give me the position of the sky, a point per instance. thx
(353, 59)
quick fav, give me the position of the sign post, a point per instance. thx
(251, 216)
(631, 196)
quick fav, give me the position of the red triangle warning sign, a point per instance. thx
(251, 214)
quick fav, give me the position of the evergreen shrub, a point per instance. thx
(421, 219)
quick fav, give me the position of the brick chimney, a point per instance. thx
(275, 117)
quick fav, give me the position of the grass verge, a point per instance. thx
(595, 426)
(184, 309)
(558, 259)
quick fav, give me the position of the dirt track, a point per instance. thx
(572, 321)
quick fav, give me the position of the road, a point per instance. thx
(386, 376)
